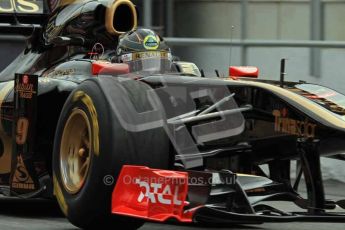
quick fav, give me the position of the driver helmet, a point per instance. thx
(144, 51)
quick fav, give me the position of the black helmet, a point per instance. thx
(144, 50)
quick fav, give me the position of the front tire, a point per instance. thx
(90, 149)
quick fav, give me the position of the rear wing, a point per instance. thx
(22, 17)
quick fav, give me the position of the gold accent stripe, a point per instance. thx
(246, 175)
(3, 93)
(301, 101)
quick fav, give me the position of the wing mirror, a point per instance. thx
(243, 71)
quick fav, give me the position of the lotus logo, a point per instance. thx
(151, 42)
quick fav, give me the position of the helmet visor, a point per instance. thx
(149, 62)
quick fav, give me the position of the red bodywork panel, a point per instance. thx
(102, 67)
(243, 71)
(151, 194)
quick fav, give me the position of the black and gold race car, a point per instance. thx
(121, 136)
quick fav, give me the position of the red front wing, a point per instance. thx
(151, 194)
(213, 197)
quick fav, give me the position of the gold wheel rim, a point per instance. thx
(75, 151)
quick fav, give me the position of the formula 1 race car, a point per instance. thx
(118, 144)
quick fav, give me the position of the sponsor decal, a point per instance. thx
(152, 194)
(60, 73)
(158, 193)
(22, 178)
(22, 130)
(151, 54)
(151, 42)
(21, 6)
(291, 126)
(24, 88)
(145, 55)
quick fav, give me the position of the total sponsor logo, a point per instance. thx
(287, 125)
(158, 193)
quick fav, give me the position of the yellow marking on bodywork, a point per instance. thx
(6, 158)
(86, 99)
(3, 93)
(59, 196)
(246, 175)
(256, 190)
(303, 102)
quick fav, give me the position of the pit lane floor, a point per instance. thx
(38, 215)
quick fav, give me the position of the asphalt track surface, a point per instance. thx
(38, 215)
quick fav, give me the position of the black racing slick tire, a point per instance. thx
(90, 148)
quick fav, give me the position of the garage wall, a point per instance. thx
(266, 20)
(277, 19)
